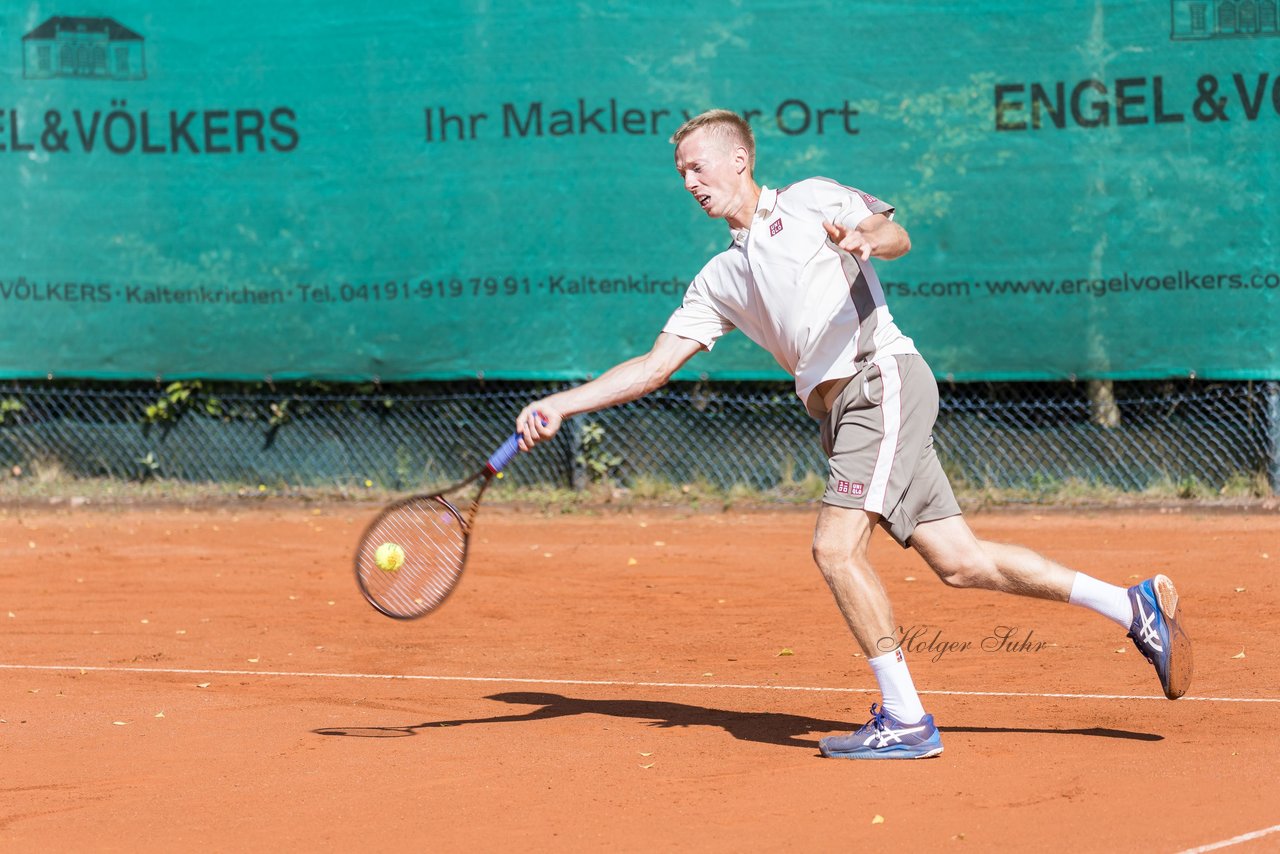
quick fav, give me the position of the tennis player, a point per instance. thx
(798, 280)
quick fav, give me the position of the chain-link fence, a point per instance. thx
(1126, 436)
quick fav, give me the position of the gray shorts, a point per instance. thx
(879, 438)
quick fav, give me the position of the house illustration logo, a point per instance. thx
(1197, 20)
(92, 48)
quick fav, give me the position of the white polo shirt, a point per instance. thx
(818, 309)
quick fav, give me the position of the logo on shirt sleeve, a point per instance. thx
(775, 227)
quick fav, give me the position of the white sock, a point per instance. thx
(1108, 600)
(897, 691)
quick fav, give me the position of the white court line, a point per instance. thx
(606, 683)
(1235, 840)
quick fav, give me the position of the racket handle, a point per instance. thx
(508, 451)
(505, 454)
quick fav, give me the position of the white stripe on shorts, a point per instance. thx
(891, 412)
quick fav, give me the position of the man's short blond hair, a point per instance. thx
(725, 124)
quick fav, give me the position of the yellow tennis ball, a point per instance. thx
(389, 557)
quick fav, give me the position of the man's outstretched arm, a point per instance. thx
(625, 382)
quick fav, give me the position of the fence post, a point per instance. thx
(1273, 436)
(576, 470)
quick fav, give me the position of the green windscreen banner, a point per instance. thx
(430, 190)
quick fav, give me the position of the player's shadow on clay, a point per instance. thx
(1100, 732)
(763, 727)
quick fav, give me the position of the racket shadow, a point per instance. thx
(763, 727)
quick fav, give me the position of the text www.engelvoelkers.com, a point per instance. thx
(1091, 286)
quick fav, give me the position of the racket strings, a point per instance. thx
(432, 536)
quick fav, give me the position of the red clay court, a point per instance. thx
(209, 678)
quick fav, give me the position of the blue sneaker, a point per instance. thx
(885, 737)
(1159, 636)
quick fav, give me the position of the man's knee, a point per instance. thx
(954, 553)
(833, 557)
(970, 567)
(841, 539)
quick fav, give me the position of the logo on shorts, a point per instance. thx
(775, 227)
(846, 488)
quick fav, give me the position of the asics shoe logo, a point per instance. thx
(1149, 635)
(885, 735)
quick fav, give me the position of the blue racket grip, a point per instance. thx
(505, 454)
(508, 451)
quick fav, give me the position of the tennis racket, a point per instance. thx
(411, 556)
